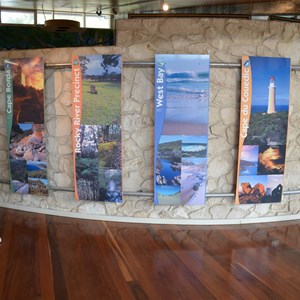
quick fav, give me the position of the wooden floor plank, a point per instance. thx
(49, 257)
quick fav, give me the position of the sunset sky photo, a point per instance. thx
(33, 69)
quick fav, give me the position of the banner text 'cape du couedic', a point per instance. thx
(263, 129)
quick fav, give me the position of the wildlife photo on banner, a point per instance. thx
(24, 93)
(96, 120)
(265, 91)
(181, 128)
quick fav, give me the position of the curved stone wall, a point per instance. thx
(226, 40)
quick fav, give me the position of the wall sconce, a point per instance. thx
(99, 11)
(115, 10)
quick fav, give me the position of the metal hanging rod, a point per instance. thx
(145, 64)
(142, 64)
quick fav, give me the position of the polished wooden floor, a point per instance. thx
(48, 257)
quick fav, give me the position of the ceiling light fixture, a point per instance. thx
(165, 6)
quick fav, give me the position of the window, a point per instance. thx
(92, 21)
(17, 17)
(27, 17)
(42, 16)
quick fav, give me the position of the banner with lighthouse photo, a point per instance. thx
(265, 90)
(96, 119)
(181, 128)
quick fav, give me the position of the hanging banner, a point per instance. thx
(96, 121)
(181, 128)
(24, 92)
(265, 90)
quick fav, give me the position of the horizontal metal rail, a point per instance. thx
(145, 64)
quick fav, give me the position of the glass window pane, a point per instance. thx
(43, 16)
(92, 21)
(75, 17)
(17, 17)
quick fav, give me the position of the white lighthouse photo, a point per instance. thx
(272, 97)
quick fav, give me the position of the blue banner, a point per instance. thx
(181, 128)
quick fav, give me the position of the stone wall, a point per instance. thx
(226, 40)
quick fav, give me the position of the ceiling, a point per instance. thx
(125, 7)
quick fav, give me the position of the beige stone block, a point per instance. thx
(217, 146)
(144, 137)
(133, 164)
(144, 204)
(132, 180)
(65, 149)
(140, 214)
(111, 208)
(3, 155)
(232, 133)
(229, 116)
(140, 36)
(147, 185)
(294, 206)
(179, 213)
(179, 42)
(217, 39)
(142, 87)
(211, 184)
(289, 48)
(262, 209)
(131, 26)
(148, 157)
(62, 180)
(237, 213)
(63, 201)
(253, 214)
(279, 207)
(124, 37)
(154, 215)
(219, 211)
(199, 47)
(68, 166)
(202, 213)
(131, 150)
(239, 50)
(182, 25)
(141, 52)
(271, 42)
(151, 25)
(127, 208)
(131, 106)
(214, 112)
(92, 208)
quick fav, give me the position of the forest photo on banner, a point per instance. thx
(96, 118)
